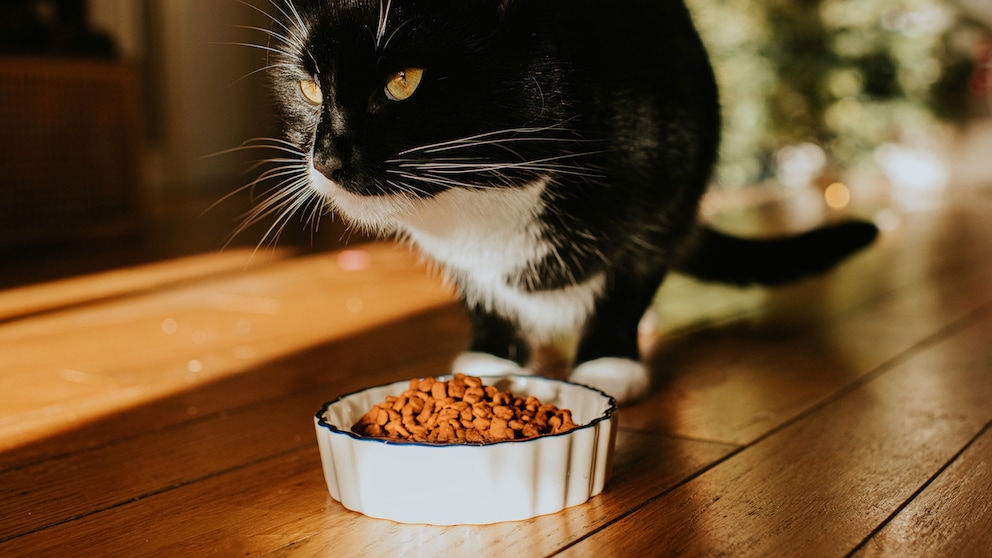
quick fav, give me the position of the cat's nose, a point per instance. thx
(333, 154)
(329, 165)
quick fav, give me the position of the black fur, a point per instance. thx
(720, 257)
(613, 105)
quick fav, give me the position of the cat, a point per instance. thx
(550, 155)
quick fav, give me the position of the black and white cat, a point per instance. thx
(550, 155)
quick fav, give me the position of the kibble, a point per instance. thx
(461, 410)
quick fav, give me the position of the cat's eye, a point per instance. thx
(311, 92)
(401, 85)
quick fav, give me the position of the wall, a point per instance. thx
(198, 101)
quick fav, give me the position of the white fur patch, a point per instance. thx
(626, 380)
(375, 213)
(483, 238)
(495, 230)
(483, 364)
(547, 315)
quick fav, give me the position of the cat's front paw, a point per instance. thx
(484, 364)
(625, 380)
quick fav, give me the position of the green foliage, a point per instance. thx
(847, 75)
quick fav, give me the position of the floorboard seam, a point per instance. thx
(163, 490)
(916, 494)
(972, 317)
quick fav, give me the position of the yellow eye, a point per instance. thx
(402, 85)
(311, 92)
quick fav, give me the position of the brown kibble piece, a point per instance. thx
(426, 384)
(457, 390)
(426, 412)
(503, 412)
(439, 390)
(445, 433)
(473, 395)
(474, 436)
(373, 430)
(461, 410)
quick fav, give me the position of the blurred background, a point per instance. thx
(117, 118)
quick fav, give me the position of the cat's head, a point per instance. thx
(394, 102)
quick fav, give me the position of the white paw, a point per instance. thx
(626, 380)
(483, 364)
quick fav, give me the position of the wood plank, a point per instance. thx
(328, 369)
(192, 519)
(951, 517)
(646, 465)
(86, 363)
(45, 297)
(286, 504)
(943, 243)
(854, 395)
(822, 484)
(790, 356)
(85, 482)
(764, 373)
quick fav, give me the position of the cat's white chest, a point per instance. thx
(480, 233)
(485, 239)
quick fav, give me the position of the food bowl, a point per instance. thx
(469, 484)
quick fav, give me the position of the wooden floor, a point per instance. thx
(167, 409)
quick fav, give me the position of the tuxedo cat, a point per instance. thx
(550, 155)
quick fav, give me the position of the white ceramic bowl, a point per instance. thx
(463, 484)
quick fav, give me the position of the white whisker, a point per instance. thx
(392, 35)
(292, 193)
(383, 22)
(294, 38)
(261, 69)
(259, 47)
(319, 208)
(278, 225)
(500, 142)
(296, 14)
(255, 143)
(280, 141)
(439, 180)
(266, 14)
(473, 140)
(283, 170)
(269, 32)
(404, 186)
(547, 164)
(275, 173)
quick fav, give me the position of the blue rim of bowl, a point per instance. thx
(335, 430)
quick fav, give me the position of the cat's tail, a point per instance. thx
(716, 256)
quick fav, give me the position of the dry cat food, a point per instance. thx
(461, 410)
